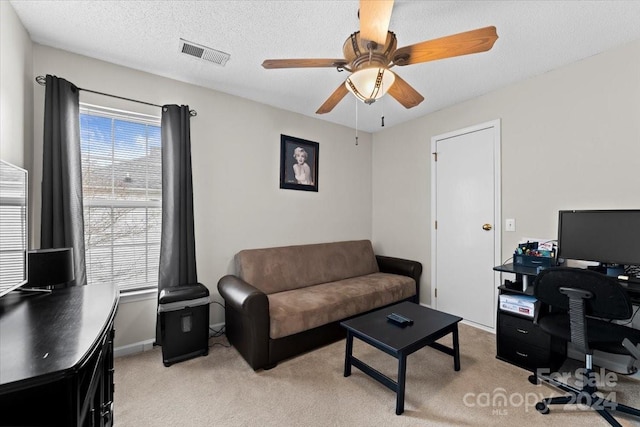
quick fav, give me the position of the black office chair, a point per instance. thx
(580, 300)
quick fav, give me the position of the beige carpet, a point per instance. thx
(310, 390)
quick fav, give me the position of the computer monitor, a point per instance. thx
(605, 236)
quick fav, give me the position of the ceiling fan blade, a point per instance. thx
(303, 63)
(333, 100)
(406, 95)
(473, 41)
(374, 20)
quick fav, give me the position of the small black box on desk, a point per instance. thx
(184, 322)
(533, 261)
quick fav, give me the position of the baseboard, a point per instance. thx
(479, 326)
(215, 327)
(614, 362)
(146, 345)
(469, 323)
(137, 347)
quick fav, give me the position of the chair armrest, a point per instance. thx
(246, 319)
(403, 267)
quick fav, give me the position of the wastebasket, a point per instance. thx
(184, 322)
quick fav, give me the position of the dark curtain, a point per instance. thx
(177, 244)
(62, 220)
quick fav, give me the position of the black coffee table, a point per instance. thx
(374, 329)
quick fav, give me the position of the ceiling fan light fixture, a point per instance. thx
(370, 84)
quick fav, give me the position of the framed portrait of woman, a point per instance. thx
(298, 164)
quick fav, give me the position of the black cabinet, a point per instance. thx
(522, 343)
(519, 341)
(56, 357)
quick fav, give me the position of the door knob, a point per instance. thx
(487, 227)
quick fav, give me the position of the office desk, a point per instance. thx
(518, 340)
(56, 357)
(520, 343)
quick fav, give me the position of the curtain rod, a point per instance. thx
(42, 81)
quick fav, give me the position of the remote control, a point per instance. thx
(399, 319)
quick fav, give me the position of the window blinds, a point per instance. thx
(122, 192)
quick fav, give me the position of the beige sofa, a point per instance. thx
(287, 300)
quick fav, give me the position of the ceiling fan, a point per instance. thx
(371, 52)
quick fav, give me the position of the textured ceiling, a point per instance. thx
(534, 37)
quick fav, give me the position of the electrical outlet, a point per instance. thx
(510, 224)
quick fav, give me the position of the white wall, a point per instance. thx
(570, 140)
(16, 89)
(235, 155)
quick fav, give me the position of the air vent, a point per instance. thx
(203, 52)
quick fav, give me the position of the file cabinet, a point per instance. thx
(518, 340)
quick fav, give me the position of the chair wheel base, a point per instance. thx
(542, 407)
(533, 379)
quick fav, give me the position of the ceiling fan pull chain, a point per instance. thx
(356, 121)
(382, 104)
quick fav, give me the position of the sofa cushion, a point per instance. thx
(298, 310)
(284, 268)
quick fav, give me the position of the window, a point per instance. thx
(13, 227)
(122, 193)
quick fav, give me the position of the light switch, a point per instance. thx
(510, 224)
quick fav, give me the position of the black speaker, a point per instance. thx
(50, 267)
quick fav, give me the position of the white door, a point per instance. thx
(466, 231)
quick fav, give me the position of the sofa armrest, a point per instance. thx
(240, 295)
(246, 319)
(403, 267)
